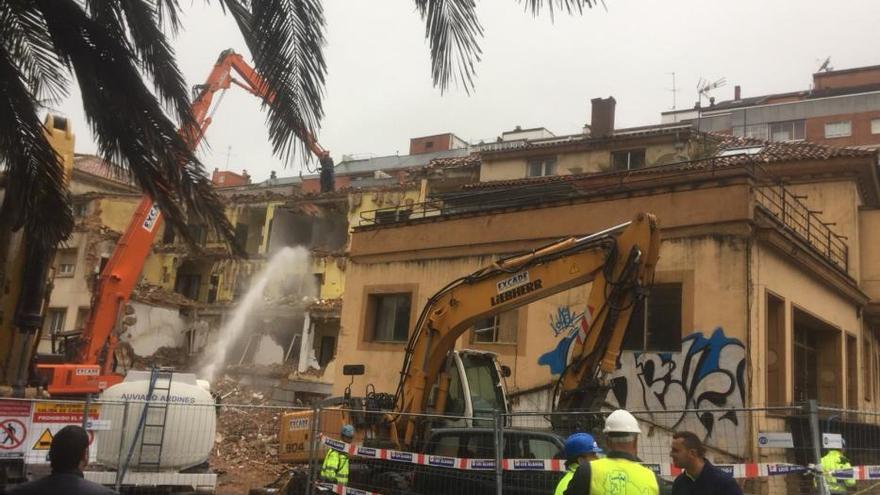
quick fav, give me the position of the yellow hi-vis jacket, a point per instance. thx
(335, 467)
(835, 461)
(566, 479)
(619, 476)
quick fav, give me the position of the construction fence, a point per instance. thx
(234, 448)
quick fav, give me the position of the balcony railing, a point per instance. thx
(805, 223)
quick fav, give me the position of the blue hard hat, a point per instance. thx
(348, 431)
(579, 444)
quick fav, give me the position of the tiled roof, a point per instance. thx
(753, 152)
(472, 160)
(95, 165)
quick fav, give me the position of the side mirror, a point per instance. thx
(505, 371)
(353, 370)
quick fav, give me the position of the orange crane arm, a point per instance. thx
(93, 370)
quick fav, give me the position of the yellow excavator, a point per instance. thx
(436, 378)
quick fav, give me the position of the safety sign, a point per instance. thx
(44, 442)
(47, 419)
(14, 422)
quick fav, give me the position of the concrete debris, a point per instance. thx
(159, 296)
(246, 453)
(173, 357)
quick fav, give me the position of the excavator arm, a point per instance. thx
(620, 264)
(93, 369)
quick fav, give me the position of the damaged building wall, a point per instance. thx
(156, 327)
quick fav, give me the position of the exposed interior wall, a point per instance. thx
(156, 327)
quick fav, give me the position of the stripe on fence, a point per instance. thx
(748, 470)
(345, 490)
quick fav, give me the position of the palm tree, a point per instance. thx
(116, 49)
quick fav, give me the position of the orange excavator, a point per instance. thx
(92, 367)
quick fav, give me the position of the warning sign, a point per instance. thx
(15, 418)
(12, 433)
(44, 442)
(47, 419)
(57, 412)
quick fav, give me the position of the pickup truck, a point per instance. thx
(478, 443)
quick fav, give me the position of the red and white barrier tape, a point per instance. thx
(749, 470)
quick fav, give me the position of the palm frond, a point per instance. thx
(35, 197)
(24, 35)
(453, 32)
(286, 40)
(139, 24)
(128, 121)
(567, 6)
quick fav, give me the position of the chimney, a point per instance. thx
(245, 176)
(602, 117)
(272, 175)
(737, 92)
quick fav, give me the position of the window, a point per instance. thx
(792, 130)
(82, 316)
(66, 263)
(542, 167)
(393, 215)
(852, 372)
(867, 367)
(756, 131)
(54, 322)
(390, 316)
(655, 324)
(429, 145)
(80, 210)
(498, 329)
(775, 358)
(168, 235)
(838, 129)
(875, 126)
(628, 160)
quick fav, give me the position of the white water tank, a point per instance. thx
(189, 426)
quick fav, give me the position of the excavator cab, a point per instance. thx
(476, 389)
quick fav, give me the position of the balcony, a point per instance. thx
(804, 223)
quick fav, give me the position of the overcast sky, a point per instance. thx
(533, 72)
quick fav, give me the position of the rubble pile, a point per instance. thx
(245, 453)
(159, 296)
(174, 357)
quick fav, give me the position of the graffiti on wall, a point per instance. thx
(708, 375)
(571, 325)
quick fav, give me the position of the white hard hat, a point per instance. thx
(621, 421)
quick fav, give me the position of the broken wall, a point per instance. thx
(156, 326)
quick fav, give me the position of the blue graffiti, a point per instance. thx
(564, 321)
(558, 357)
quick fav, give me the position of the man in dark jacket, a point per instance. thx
(68, 455)
(699, 477)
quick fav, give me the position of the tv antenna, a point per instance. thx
(674, 89)
(826, 65)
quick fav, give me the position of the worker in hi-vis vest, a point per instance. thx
(620, 472)
(335, 467)
(834, 460)
(580, 448)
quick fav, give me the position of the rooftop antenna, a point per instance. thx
(674, 89)
(826, 65)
